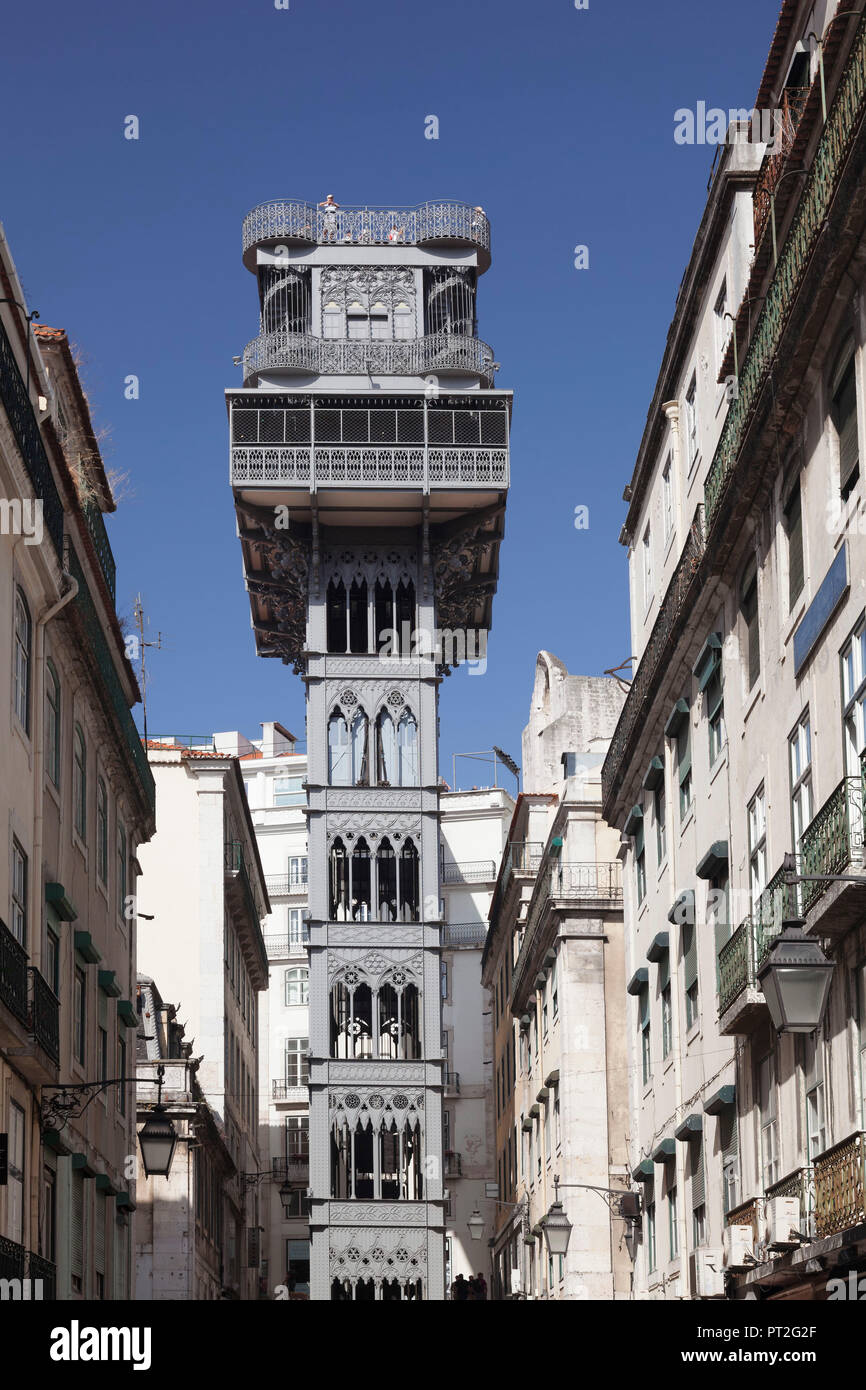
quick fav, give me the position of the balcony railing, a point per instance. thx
(476, 871)
(292, 220)
(674, 606)
(22, 421)
(833, 838)
(279, 946)
(13, 974)
(571, 883)
(745, 951)
(38, 1268)
(800, 1184)
(818, 192)
(464, 934)
(386, 467)
(44, 1021)
(294, 1168)
(101, 543)
(452, 1083)
(101, 654)
(236, 867)
(286, 1090)
(840, 1186)
(283, 885)
(13, 1260)
(436, 352)
(793, 102)
(453, 1165)
(777, 904)
(736, 965)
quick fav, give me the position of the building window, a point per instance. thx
(715, 714)
(690, 974)
(692, 423)
(102, 1039)
(667, 1012)
(843, 411)
(640, 861)
(101, 830)
(667, 500)
(722, 332)
(673, 1222)
(749, 611)
(79, 783)
(767, 1109)
(854, 699)
(298, 871)
(730, 1150)
(718, 901)
(297, 1061)
(644, 1024)
(121, 1071)
(15, 1188)
(647, 568)
(650, 1235)
(554, 997)
(813, 1079)
(19, 894)
(698, 1192)
(289, 791)
(52, 960)
(21, 661)
(684, 767)
(122, 860)
(660, 812)
(793, 521)
(800, 763)
(52, 723)
(79, 1016)
(297, 982)
(298, 1266)
(757, 845)
(299, 927)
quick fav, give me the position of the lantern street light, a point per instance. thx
(285, 1194)
(557, 1227)
(157, 1137)
(476, 1225)
(795, 979)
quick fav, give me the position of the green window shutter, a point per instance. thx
(684, 752)
(99, 1234)
(714, 696)
(728, 1139)
(845, 420)
(644, 1006)
(638, 840)
(77, 1224)
(696, 1172)
(665, 970)
(794, 528)
(690, 955)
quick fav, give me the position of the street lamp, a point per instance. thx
(795, 979)
(285, 1194)
(157, 1137)
(557, 1229)
(476, 1225)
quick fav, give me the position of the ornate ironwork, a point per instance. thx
(69, 1100)
(832, 838)
(285, 885)
(676, 602)
(366, 226)
(792, 104)
(22, 421)
(818, 192)
(840, 1186)
(436, 352)
(101, 543)
(44, 1019)
(479, 870)
(13, 974)
(777, 904)
(13, 1258)
(746, 1214)
(99, 650)
(38, 1268)
(464, 934)
(236, 866)
(571, 882)
(736, 965)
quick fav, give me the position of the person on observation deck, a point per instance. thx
(329, 218)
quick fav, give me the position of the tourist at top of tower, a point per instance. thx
(329, 218)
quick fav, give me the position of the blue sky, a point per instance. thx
(559, 122)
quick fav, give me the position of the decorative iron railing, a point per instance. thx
(818, 192)
(832, 838)
(99, 649)
(800, 1184)
(13, 974)
(13, 1259)
(386, 467)
(444, 220)
(38, 1268)
(475, 871)
(572, 882)
(236, 865)
(840, 1186)
(44, 1021)
(464, 934)
(284, 885)
(674, 604)
(101, 544)
(777, 903)
(793, 103)
(295, 1168)
(736, 965)
(291, 1090)
(437, 352)
(277, 947)
(746, 1214)
(22, 421)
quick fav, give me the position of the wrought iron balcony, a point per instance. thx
(800, 1184)
(285, 885)
(475, 871)
(792, 105)
(291, 220)
(840, 1186)
(279, 946)
(22, 421)
(13, 1259)
(745, 951)
(13, 974)
(101, 544)
(565, 885)
(832, 843)
(44, 1020)
(293, 1169)
(464, 934)
(736, 965)
(237, 873)
(40, 1269)
(437, 352)
(290, 1090)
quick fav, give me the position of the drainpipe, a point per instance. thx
(68, 593)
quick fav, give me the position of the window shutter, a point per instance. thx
(794, 527)
(728, 1139)
(99, 1239)
(644, 1006)
(696, 1164)
(684, 752)
(690, 956)
(638, 840)
(77, 1247)
(845, 416)
(120, 1260)
(714, 689)
(664, 970)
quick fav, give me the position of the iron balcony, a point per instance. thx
(436, 352)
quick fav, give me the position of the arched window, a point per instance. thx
(359, 627)
(360, 882)
(297, 981)
(339, 762)
(408, 899)
(399, 1032)
(79, 783)
(407, 750)
(21, 660)
(52, 723)
(386, 751)
(339, 882)
(336, 616)
(101, 830)
(386, 877)
(360, 768)
(351, 1021)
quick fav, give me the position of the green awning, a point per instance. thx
(690, 1128)
(556, 846)
(644, 1172)
(654, 775)
(80, 1165)
(55, 894)
(632, 820)
(638, 981)
(709, 660)
(715, 862)
(53, 1139)
(108, 984)
(720, 1100)
(677, 718)
(126, 1013)
(105, 1185)
(86, 949)
(664, 1150)
(683, 911)
(124, 1202)
(659, 946)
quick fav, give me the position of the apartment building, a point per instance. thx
(76, 799)
(204, 893)
(736, 770)
(554, 964)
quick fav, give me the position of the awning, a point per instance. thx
(720, 1100)
(659, 946)
(638, 981)
(715, 862)
(690, 1128)
(683, 911)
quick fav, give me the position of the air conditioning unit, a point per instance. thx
(782, 1216)
(709, 1275)
(738, 1247)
